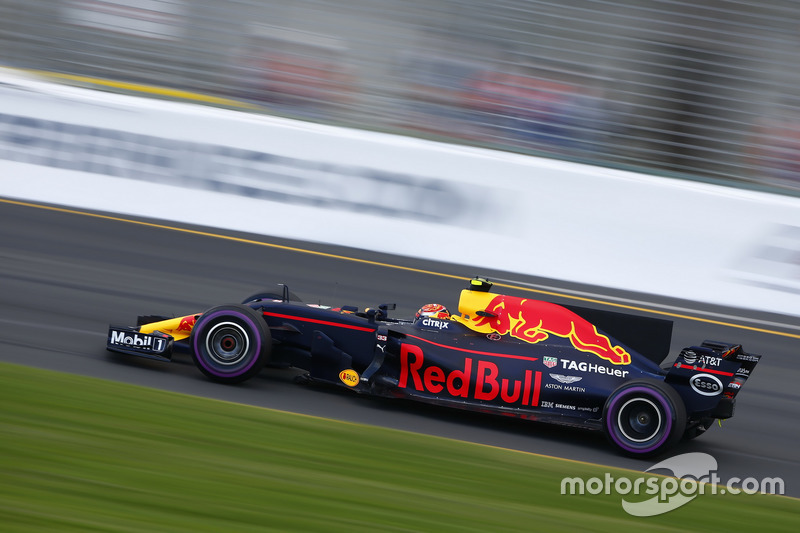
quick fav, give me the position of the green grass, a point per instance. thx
(81, 454)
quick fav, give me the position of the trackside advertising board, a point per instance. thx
(486, 209)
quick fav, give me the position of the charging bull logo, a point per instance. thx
(534, 321)
(187, 323)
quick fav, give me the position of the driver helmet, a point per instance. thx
(433, 311)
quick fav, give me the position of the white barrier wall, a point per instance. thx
(487, 209)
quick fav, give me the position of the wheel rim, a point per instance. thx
(227, 343)
(640, 420)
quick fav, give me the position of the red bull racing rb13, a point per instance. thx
(498, 354)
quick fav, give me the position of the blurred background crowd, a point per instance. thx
(707, 90)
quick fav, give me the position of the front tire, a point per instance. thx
(230, 343)
(642, 418)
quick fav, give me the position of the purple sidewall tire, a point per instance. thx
(230, 343)
(667, 405)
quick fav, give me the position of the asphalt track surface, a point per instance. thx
(65, 275)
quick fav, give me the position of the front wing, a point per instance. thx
(129, 340)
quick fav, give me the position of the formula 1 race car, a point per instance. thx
(499, 354)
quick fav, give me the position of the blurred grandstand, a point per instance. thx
(669, 87)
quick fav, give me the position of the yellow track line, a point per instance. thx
(146, 89)
(398, 267)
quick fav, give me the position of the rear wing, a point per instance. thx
(710, 376)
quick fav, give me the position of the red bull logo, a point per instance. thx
(187, 323)
(534, 321)
(475, 379)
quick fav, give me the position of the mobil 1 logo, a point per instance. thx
(136, 341)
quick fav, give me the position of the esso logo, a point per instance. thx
(706, 384)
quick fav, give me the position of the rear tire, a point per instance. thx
(643, 418)
(230, 343)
